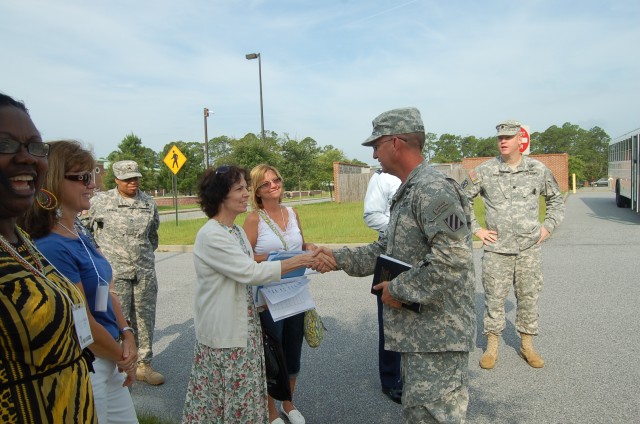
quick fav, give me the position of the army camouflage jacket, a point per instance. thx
(429, 229)
(126, 230)
(511, 200)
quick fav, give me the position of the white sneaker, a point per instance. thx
(278, 421)
(294, 417)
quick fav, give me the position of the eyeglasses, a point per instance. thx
(380, 143)
(267, 184)
(85, 178)
(35, 148)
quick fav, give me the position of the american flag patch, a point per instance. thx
(453, 222)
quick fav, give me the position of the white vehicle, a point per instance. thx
(624, 169)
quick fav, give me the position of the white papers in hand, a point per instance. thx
(289, 297)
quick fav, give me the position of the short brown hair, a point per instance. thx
(215, 184)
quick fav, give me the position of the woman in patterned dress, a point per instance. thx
(44, 376)
(228, 383)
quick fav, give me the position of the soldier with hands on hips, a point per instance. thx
(429, 229)
(125, 222)
(510, 186)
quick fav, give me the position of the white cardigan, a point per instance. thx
(223, 270)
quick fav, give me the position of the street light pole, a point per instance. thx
(254, 56)
(206, 139)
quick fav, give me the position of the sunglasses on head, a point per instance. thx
(85, 178)
(223, 169)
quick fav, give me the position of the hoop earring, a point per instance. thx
(46, 200)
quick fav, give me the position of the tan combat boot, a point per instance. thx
(148, 374)
(532, 357)
(490, 356)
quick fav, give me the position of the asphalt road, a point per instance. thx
(589, 339)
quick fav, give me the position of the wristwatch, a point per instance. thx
(122, 330)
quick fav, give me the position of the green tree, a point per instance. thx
(327, 155)
(299, 161)
(250, 151)
(428, 150)
(447, 149)
(590, 147)
(131, 148)
(485, 147)
(593, 149)
(220, 149)
(576, 166)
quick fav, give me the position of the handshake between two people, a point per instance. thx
(321, 259)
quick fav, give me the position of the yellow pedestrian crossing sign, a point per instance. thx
(174, 159)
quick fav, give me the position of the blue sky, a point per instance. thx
(97, 71)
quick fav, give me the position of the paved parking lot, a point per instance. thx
(589, 336)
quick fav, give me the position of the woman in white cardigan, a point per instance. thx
(227, 383)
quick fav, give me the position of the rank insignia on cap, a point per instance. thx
(453, 222)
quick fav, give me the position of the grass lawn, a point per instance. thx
(322, 223)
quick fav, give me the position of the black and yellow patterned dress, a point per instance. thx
(43, 375)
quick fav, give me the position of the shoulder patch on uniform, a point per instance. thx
(473, 176)
(438, 206)
(453, 222)
(465, 183)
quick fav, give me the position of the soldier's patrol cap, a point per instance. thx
(397, 121)
(125, 169)
(508, 127)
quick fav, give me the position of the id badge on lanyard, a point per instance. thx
(81, 322)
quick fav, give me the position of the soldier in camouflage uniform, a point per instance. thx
(125, 223)
(428, 228)
(511, 185)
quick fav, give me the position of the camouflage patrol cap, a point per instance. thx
(397, 121)
(125, 169)
(508, 127)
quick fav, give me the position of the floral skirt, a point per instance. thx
(228, 385)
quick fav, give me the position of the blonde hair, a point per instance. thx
(257, 178)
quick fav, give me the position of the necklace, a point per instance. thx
(86, 249)
(283, 227)
(235, 232)
(8, 247)
(38, 269)
(75, 233)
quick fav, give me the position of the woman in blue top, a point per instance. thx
(70, 179)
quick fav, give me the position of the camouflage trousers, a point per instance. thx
(138, 297)
(522, 271)
(435, 387)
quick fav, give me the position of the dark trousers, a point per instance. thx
(289, 332)
(388, 360)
